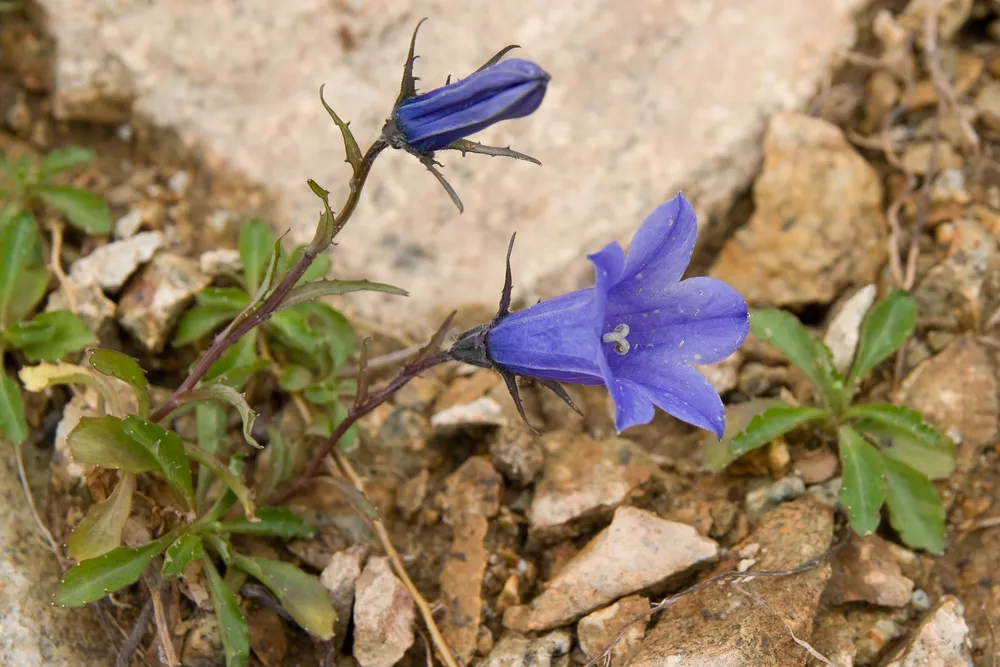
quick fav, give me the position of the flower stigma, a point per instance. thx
(618, 338)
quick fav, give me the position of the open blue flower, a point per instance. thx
(638, 330)
(436, 119)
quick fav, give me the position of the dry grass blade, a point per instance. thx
(804, 644)
(124, 656)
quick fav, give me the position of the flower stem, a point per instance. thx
(274, 300)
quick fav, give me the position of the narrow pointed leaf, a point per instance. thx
(210, 423)
(256, 245)
(168, 450)
(906, 437)
(62, 159)
(18, 244)
(237, 364)
(408, 86)
(100, 531)
(126, 369)
(31, 287)
(13, 427)
(94, 578)
(273, 522)
(321, 288)
(351, 148)
(229, 478)
(199, 321)
(232, 626)
(84, 210)
(915, 509)
(102, 441)
(772, 423)
(226, 394)
(455, 199)
(887, 325)
(785, 332)
(185, 550)
(49, 336)
(300, 594)
(862, 488)
(467, 146)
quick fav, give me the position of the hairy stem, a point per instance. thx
(274, 300)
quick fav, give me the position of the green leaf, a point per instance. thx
(12, 423)
(126, 369)
(291, 328)
(231, 297)
(226, 394)
(275, 465)
(31, 287)
(300, 594)
(241, 356)
(887, 325)
(185, 550)
(210, 423)
(349, 440)
(294, 377)
(256, 245)
(915, 509)
(319, 268)
(318, 289)
(229, 478)
(273, 521)
(336, 331)
(199, 321)
(18, 243)
(100, 531)
(62, 159)
(232, 626)
(84, 210)
(168, 450)
(50, 336)
(862, 489)
(102, 441)
(323, 393)
(772, 423)
(94, 578)
(785, 332)
(906, 437)
(351, 148)
(716, 453)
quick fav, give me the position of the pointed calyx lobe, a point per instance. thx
(638, 330)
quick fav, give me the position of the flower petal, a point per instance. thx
(553, 340)
(672, 386)
(696, 321)
(608, 264)
(661, 250)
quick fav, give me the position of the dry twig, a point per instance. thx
(124, 656)
(801, 642)
(162, 627)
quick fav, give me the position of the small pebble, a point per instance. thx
(920, 600)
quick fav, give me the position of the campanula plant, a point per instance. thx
(638, 330)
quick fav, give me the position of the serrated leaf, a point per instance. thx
(50, 336)
(785, 332)
(300, 594)
(887, 325)
(62, 159)
(317, 289)
(232, 626)
(772, 423)
(256, 245)
(199, 321)
(862, 488)
(915, 509)
(102, 441)
(18, 243)
(12, 424)
(185, 550)
(351, 148)
(94, 578)
(168, 450)
(126, 369)
(228, 477)
(31, 287)
(84, 210)
(226, 394)
(100, 531)
(905, 436)
(273, 522)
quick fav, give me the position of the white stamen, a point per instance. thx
(618, 338)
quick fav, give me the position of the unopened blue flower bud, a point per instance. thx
(434, 120)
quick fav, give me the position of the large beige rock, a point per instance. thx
(646, 98)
